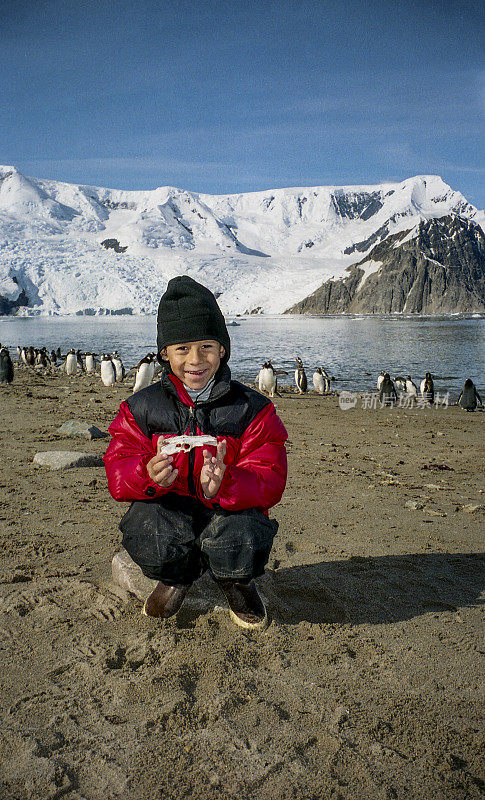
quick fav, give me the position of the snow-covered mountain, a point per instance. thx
(66, 248)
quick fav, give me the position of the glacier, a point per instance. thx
(260, 252)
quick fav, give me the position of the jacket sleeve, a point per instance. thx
(126, 460)
(257, 478)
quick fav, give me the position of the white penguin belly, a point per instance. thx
(71, 364)
(108, 375)
(267, 380)
(143, 377)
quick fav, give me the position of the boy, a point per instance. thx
(205, 508)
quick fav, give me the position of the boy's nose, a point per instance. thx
(195, 356)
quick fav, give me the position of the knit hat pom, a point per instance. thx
(188, 312)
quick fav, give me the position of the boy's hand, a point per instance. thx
(160, 470)
(213, 470)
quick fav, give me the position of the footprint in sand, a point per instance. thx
(54, 597)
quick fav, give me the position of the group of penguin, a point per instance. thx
(267, 379)
(112, 371)
(111, 368)
(388, 392)
(469, 397)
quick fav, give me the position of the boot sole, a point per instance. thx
(251, 626)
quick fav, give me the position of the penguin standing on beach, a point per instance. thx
(53, 357)
(79, 358)
(143, 372)
(42, 359)
(400, 382)
(108, 372)
(387, 392)
(469, 397)
(427, 389)
(90, 362)
(71, 363)
(6, 367)
(321, 381)
(267, 381)
(29, 356)
(118, 365)
(380, 379)
(411, 388)
(300, 376)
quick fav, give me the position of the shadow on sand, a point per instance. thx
(374, 590)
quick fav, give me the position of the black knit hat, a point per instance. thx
(188, 312)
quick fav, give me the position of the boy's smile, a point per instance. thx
(194, 363)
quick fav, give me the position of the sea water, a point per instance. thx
(353, 349)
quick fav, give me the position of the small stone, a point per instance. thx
(64, 459)
(415, 505)
(76, 427)
(471, 508)
(129, 576)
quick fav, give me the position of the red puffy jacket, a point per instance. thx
(255, 458)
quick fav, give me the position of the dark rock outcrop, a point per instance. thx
(113, 244)
(439, 270)
(11, 306)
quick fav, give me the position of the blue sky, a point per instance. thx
(227, 96)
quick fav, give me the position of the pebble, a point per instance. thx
(470, 508)
(76, 427)
(414, 504)
(63, 459)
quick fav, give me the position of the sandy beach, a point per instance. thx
(366, 685)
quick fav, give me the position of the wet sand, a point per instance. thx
(365, 686)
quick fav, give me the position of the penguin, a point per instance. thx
(53, 357)
(380, 379)
(267, 381)
(427, 388)
(118, 365)
(42, 359)
(411, 388)
(108, 372)
(300, 376)
(58, 352)
(144, 372)
(387, 392)
(30, 356)
(469, 397)
(79, 359)
(321, 381)
(400, 383)
(71, 363)
(19, 354)
(90, 362)
(6, 367)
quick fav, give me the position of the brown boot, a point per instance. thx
(246, 608)
(165, 600)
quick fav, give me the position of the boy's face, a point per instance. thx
(194, 363)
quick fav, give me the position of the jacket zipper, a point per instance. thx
(192, 431)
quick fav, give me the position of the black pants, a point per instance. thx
(176, 539)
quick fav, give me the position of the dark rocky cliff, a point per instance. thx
(439, 270)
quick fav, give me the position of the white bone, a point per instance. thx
(177, 444)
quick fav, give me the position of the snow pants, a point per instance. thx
(176, 539)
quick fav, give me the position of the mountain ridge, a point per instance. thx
(260, 251)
